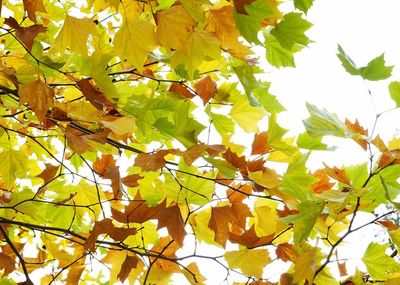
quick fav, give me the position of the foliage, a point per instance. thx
(123, 159)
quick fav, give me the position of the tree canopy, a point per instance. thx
(139, 142)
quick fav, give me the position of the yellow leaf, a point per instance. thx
(246, 115)
(116, 259)
(266, 177)
(305, 266)
(250, 261)
(265, 218)
(120, 126)
(74, 35)
(39, 96)
(174, 27)
(134, 40)
(199, 222)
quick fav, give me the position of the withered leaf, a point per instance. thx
(129, 263)
(219, 222)
(260, 144)
(38, 95)
(206, 88)
(250, 239)
(106, 226)
(94, 96)
(25, 34)
(77, 141)
(131, 180)
(33, 6)
(181, 89)
(152, 161)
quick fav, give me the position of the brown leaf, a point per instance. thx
(25, 34)
(129, 263)
(7, 263)
(171, 218)
(33, 6)
(342, 268)
(356, 128)
(49, 172)
(219, 222)
(206, 88)
(286, 212)
(77, 141)
(75, 271)
(38, 95)
(136, 211)
(337, 174)
(94, 96)
(59, 114)
(237, 161)
(260, 144)
(250, 239)
(239, 5)
(285, 252)
(107, 227)
(131, 180)
(255, 165)
(181, 89)
(100, 165)
(195, 151)
(153, 161)
(390, 225)
(242, 192)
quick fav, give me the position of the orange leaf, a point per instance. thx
(48, 173)
(107, 227)
(378, 142)
(100, 165)
(239, 5)
(136, 211)
(33, 6)
(219, 222)
(166, 247)
(260, 145)
(237, 161)
(357, 129)
(131, 180)
(195, 151)
(250, 239)
(323, 183)
(181, 90)
(390, 225)
(7, 264)
(153, 161)
(94, 96)
(285, 252)
(129, 263)
(337, 174)
(342, 268)
(206, 88)
(39, 96)
(25, 34)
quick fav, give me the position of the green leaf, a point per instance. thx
(290, 31)
(249, 25)
(225, 168)
(378, 263)
(305, 220)
(322, 123)
(266, 99)
(277, 55)
(246, 77)
(374, 71)
(303, 5)
(394, 90)
(306, 141)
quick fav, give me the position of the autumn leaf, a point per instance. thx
(68, 38)
(174, 26)
(25, 34)
(206, 88)
(182, 90)
(171, 218)
(260, 145)
(337, 174)
(152, 161)
(131, 180)
(250, 261)
(129, 263)
(39, 96)
(250, 239)
(33, 6)
(219, 222)
(77, 141)
(360, 134)
(286, 252)
(107, 227)
(94, 96)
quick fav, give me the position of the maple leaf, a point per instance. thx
(25, 34)
(131, 180)
(359, 132)
(94, 96)
(67, 38)
(134, 39)
(174, 26)
(39, 96)
(219, 222)
(77, 141)
(181, 89)
(171, 218)
(250, 239)
(206, 88)
(107, 227)
(338, 174)
(250, 261)
(260, 144)
(286, 252)
(152, 161)
(33, 6)
(129, 263)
